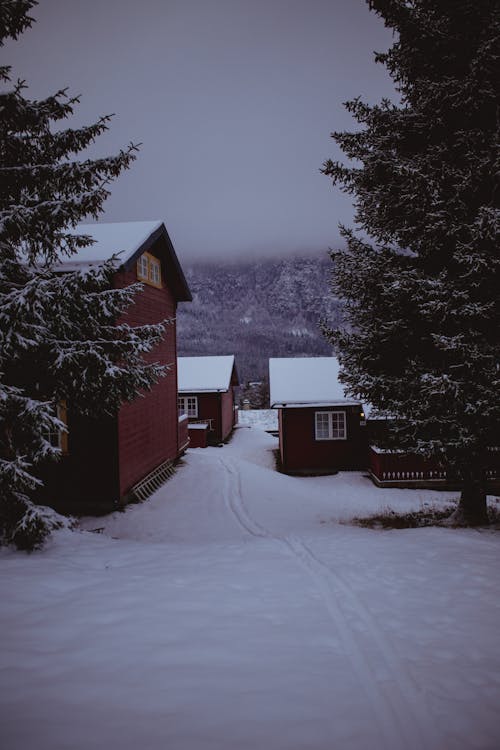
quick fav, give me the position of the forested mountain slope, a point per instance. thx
(270, 308)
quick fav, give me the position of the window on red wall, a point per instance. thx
(188, 405)
(330, 425)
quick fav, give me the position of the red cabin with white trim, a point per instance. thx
(107, 457)
(206, 394)
(320, 430)
(323, 431)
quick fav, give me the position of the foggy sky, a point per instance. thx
(232, 100)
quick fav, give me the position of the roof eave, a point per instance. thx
(312, 404)
(202, 390)
(235, 378)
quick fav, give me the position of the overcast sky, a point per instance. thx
(232, 100)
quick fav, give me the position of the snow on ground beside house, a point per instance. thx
(232, 612)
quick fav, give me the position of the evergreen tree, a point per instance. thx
(420, 276)
(59, 337)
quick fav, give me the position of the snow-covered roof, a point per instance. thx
(128, 240)
(205, 374)
(306, 381)
(124, 238)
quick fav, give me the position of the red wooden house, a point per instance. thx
(320, 430)
(206, 395)
(108, 461)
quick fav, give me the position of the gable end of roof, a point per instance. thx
(178, 280)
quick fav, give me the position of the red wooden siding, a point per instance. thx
(300, 451)
(219, 409)
(386, 466)
(198, 435)
(148, 427)
(392, 468)
(227, 413)
(108, 455)
(209, 409)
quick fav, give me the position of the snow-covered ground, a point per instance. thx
(232, 612)
(265, 419)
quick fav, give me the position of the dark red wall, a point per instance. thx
(219, 407)
(300, 451)
(86, 480)
(387, 466)
(108, 455)
(410, 467)
(209, 407)
(148, 427)
(198, 438)
(227, 406)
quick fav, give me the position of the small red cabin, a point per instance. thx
(105, 459)
(206, 394)
(320, 430)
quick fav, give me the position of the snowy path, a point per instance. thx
(394, 712)
(232, 611)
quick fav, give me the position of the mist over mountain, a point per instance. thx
(270, 308)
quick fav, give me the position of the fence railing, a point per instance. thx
(396, 466)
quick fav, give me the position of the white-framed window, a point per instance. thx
(149, 269)
(330, 425)
(142, 268)
(188, 405)
(154, 271)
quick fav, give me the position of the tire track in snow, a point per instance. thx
(234, 502)
(399, 708)
(397, 701)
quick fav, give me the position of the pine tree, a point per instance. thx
(420, 275)
(59, 337)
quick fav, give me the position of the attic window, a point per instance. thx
(149, 270)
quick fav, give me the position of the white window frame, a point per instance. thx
(149, 270)
(335, 423)
(188, 405)
(154, 271)
(142, 268)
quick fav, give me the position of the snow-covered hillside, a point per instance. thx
(233, 612)
(270, 308)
